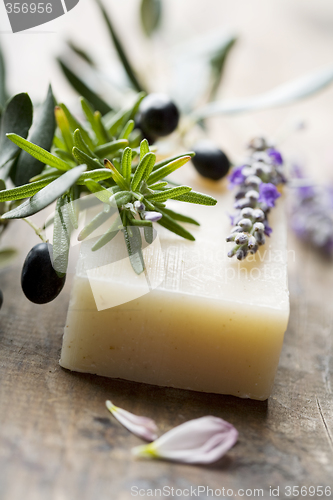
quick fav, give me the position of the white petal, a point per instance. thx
(203, 440)
(143, 427)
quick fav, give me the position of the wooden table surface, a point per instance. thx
(58, 441)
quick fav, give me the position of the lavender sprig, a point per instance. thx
(257, 180)
(311, 212)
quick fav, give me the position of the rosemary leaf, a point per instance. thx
(180, 217)
(124, 134)
(167, 169)
(143, 169)
(169, 193)
(94, 224)
(82, 157)
(110, 147)
(117, 177)
(108, 236)
(173, 226)
(39, 153)
(197, 198)
(25, 191)
(126, 164)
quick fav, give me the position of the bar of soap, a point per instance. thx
(194, 320)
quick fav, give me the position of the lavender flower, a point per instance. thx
(275, 156)
(257, 193)
(268, 194)
(311, 213)
(236, 177)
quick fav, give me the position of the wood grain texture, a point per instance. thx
(59, 442)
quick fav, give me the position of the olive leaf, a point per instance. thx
(42, 133)
(3, 89)
(121, 51)
(195, 63)
(47, 195)
(80, 52)
(62, 230)
(7, 255)
(83, 89)
(150, 15)
(279, 96)
(217, 62)
(16, 118)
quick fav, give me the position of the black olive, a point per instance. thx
(158, 116)
(210, 161)
(149, 137)
(40, 282)
(1, 298)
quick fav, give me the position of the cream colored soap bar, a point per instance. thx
(195, 320)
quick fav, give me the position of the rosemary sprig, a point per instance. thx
(98, 156)
(256, 195)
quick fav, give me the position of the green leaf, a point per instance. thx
(3, 89)
(134, 247)
(126, 164)
(101, 132)
(94, 224)
(76, 125)
(143, 170)
(279, 96)
(64, 155)
(47, 195)
(124, 134)
(197, 198)
(108, 236)
(149, 234)
(82, 157)
(144, 148)
(7, 255)
(25, 191)
(218, 61)
(83, 90)
(97, 175)
(42, 133)
(64, 127)
(39, 153)
(158, 185)
(150, 13)
(173, 226)
(61, 236)
(180, 217)
(121, 51)
(17, 118)
(169, 193)
(110, 148)
(117, 177)
(81, 144)
(139, 222)
(99, 191)
(116, 122)
(80, 52)
(172, 158)
(167, 169)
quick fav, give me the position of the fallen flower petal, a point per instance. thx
(142, 427)
(200, 441)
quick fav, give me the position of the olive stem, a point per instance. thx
(37, 230)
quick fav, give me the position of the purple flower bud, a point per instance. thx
(253, 181)
(241, 239)
(236, 177)
(246, 224)
(252, 242)
(276, 156)
(259, 226)
(152, 216)
(258, 215)
(139, 206)
(252, 194)
(268, 193)
(247, 212)
(268, 230)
